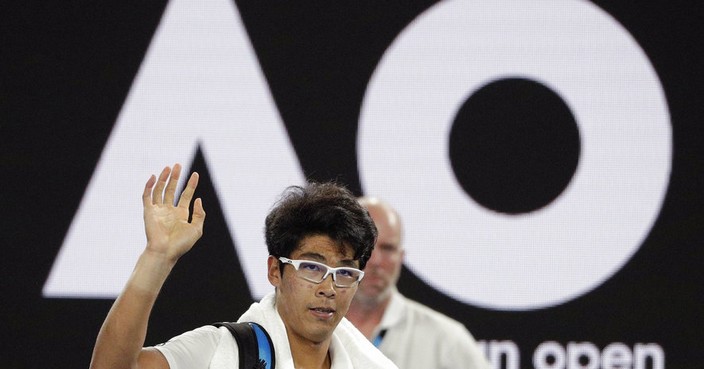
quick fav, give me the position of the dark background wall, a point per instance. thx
(66, 69)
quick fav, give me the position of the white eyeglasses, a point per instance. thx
(316, 272)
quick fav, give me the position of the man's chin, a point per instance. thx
(371, 294)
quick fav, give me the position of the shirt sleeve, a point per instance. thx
(191, 350)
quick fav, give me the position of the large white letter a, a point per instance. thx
(200, 83)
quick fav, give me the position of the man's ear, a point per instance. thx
(274, 273)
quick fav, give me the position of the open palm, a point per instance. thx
(169, 233)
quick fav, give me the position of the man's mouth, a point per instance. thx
(323, 312)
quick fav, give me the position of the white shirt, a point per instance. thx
(209, 347)
(418, 337)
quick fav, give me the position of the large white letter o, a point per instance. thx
(568, 247)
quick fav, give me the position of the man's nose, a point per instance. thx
(327, 287)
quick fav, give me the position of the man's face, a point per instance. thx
(311, 311)
(384, 266)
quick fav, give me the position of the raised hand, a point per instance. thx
(169, 234)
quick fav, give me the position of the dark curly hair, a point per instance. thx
(320, 209)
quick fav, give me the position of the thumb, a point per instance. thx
(198, 217)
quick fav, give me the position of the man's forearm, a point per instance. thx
(122, 335)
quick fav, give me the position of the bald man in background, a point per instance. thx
(412, 335)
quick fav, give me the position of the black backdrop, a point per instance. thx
(66, 69)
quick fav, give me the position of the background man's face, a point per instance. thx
(384, 266)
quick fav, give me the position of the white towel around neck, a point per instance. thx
(349, 349)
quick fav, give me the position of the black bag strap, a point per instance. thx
(256, 351)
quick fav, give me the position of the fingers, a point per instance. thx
(171, 185)
(187, 194)
(168, 179)
(147, 194)
(160, 184)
